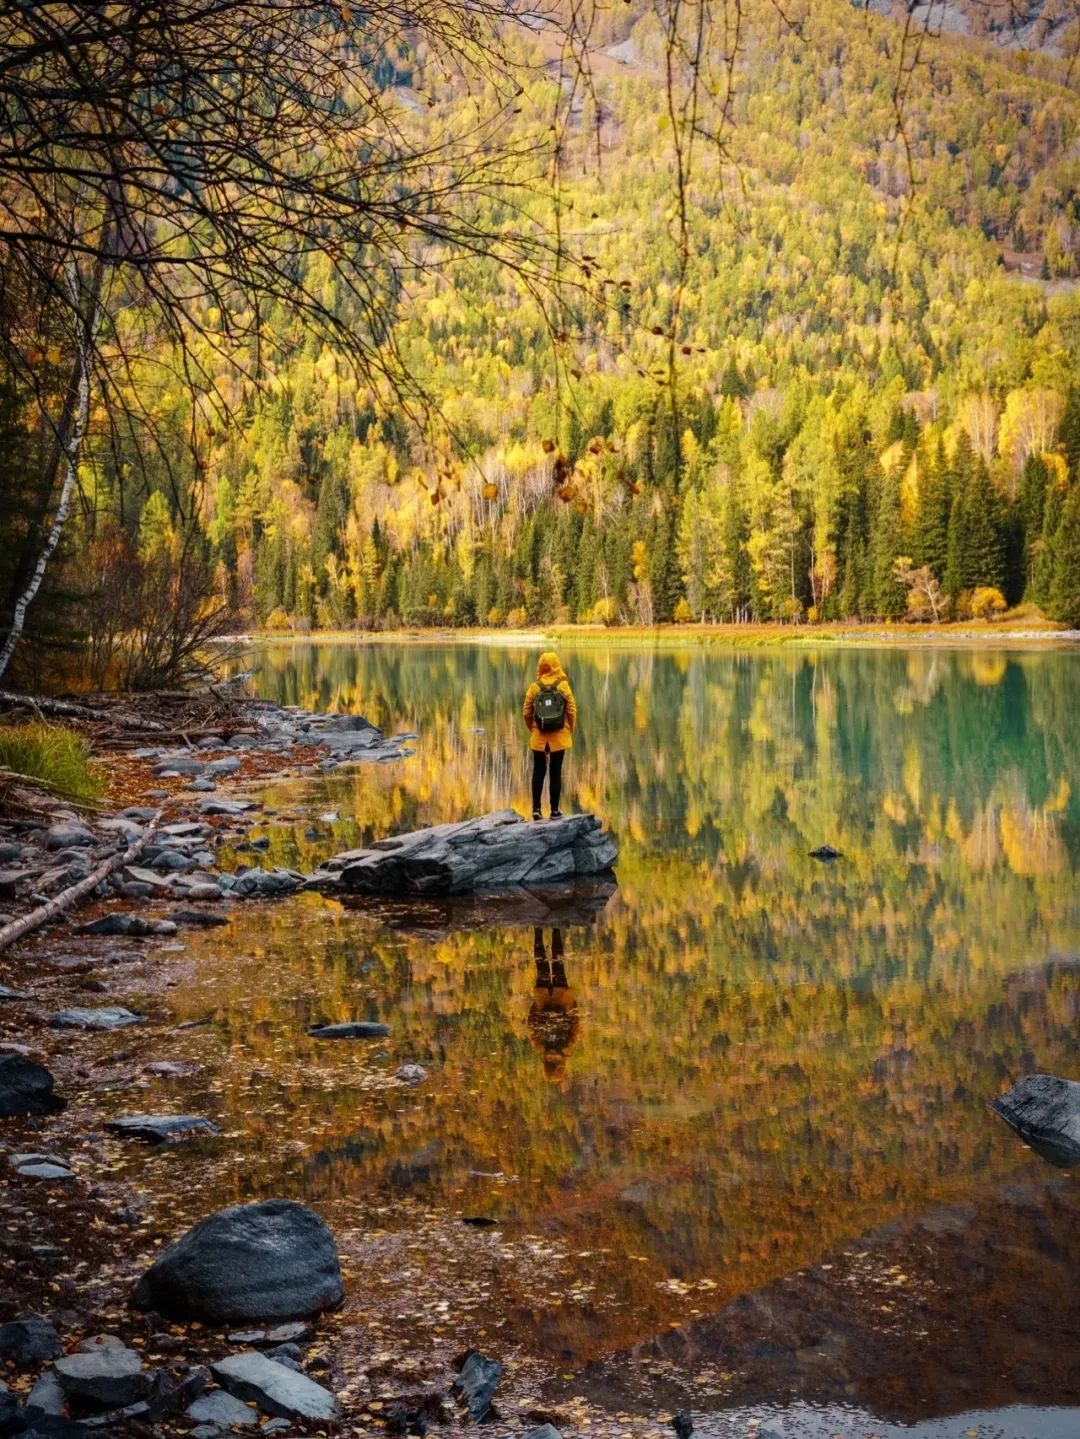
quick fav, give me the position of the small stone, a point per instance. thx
(11, 1414)
(170, 861)
(275, 1388)
(228, 765)
(476, 1383)
(68, 836)
(231, 807)
(202, 785)
(133, 889)
(98, 1342)
(178, 764)
(826, 853)
(41, 1166)
(109, 1378)
(683, 1425)
(171, 1068)
(411, 1074)
(199, 919)
(11, 994)
(113, 1017)
(247, 1336)
(223, 1409)
(276, 1426)
(11, 880)
(29, 1341)
(54, 1426)
(294, 1333)
(160, 1128)
(46, 1396)
(146, 876)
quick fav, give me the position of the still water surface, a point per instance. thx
(752, 1086)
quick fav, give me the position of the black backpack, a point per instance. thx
(549, 709)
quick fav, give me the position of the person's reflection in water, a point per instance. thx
(553, 1019)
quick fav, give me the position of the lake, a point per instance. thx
(730, 1120)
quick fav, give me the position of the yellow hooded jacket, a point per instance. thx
(550, 672)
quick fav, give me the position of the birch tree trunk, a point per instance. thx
(70, 432)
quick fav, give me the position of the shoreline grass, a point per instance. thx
(1023, 630)
(53, 756)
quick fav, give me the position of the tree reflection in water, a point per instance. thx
(764, 1058)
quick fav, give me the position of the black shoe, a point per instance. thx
(556, 814)
(537, 814)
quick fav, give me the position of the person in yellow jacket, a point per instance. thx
(550, 714)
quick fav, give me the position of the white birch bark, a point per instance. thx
(87, 332)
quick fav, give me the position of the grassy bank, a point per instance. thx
(1020, 630)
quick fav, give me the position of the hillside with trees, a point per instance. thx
(824, 367)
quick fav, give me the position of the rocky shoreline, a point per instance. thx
(75, 1358)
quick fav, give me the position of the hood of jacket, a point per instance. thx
(549, 671)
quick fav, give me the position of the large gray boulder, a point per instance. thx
(495, 851)
(273, 1260)
(1045, 1111)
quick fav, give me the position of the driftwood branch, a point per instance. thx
(76, 892)
(67, 709)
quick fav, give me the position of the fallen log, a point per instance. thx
(68, 709)
(69, 897)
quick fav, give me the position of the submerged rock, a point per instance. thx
(273, 1260)
(275, 1388)
(132, 925)
(233, 807)
(1045, 1111)
(360, 1029)
(159, 1128)
(826, 853)
(265, 883)
(494, 851)
(476, 1384)
(26, 1088)
(198, 918)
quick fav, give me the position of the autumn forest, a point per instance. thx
(824, 367)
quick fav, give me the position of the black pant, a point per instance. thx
(540, 769)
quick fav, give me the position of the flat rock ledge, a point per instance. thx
(495, 851)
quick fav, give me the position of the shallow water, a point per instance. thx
(757, 1085)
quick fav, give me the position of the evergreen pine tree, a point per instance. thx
(1065, 588)
(889, 599)
(986, 531)
(931, 540)
(1043, 573)
(1069, 432)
